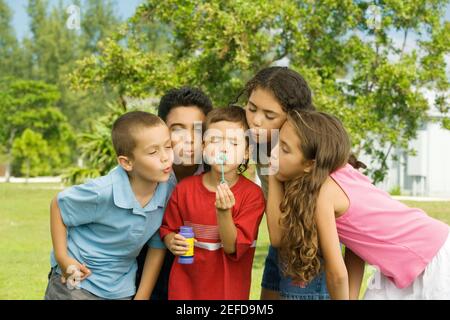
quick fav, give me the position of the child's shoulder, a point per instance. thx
(247, 182)
(246, 185)
(188, 182)
(100, 186)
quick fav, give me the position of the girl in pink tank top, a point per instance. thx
(317, 201)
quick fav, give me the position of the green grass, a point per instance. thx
(25, 240)
(26, 244)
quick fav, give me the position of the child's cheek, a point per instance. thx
(209, 154)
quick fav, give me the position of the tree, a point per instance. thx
(30, 105)
(32, 151)
(356, 67)
(53, 49)
(99, 22)
(10, 53)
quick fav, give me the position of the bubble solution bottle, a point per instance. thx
(188, 257)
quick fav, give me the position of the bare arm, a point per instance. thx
(355, 267)
(335, 270)
(58, 231)
(273, 213)
(59, 239)
(153, 263)
(227, 229)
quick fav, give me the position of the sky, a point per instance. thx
(125, 9)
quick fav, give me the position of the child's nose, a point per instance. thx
(257, 122)
(166, 155)
(223, 148)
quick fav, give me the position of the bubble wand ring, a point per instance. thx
(220, 159)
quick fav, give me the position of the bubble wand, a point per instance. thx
(220, 159)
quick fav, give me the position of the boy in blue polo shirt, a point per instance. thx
(98, 228)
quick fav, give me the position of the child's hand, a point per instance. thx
(71, 267)
(224, 197)
(178, 245)
(274, 162)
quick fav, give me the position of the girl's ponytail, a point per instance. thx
(355, 163)
(299, 250)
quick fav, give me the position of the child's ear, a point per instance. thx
(125, 163)
(309, 165)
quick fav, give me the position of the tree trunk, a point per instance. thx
(9, 156)
(28, 171)
(8, 171)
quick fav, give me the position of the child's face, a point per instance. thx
(287, 160)
(264, 113)
(227, 138)
(153, 155)
(185, 125)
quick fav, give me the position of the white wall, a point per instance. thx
(427, 173)
(438, 161)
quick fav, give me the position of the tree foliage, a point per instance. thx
(367, 62)
(28, 113)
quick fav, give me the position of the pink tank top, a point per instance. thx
(398, 240)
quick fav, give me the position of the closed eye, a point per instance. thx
(215, 139)
(251, 108)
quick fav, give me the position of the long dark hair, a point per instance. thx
(288, 86)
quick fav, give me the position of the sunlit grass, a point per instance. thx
(26, 244)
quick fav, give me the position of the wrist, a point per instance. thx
(167, 240)
(223, 211)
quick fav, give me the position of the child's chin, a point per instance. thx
(227, 168)
(163, 177)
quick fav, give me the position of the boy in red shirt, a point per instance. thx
(224, 216)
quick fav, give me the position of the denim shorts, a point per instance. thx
(274, 280)
(271, 275)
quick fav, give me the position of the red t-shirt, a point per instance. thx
(214, 274)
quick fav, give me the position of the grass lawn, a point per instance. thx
(25, 239)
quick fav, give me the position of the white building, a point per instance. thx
(428, 172)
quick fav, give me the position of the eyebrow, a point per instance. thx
(265, 110)
(178, 125)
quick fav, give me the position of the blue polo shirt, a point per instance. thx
(107, 228)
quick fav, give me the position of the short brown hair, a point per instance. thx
(125, 127)
(232, 114)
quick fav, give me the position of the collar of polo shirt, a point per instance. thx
(125, 198)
